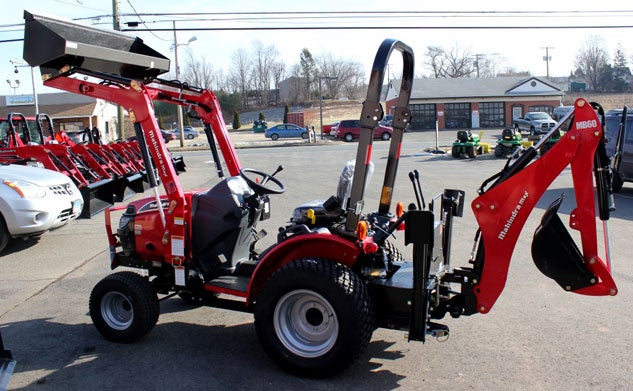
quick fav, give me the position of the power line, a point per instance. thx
(268, 28)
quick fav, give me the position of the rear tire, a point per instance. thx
(385, 136)
(124, 307)
(455, 151)
(349, 137)
(314, 317)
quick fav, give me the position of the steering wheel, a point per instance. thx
(260, 187)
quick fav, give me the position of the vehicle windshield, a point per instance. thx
(540, 116)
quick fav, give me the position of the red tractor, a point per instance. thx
(332, 277)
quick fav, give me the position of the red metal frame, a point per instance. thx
(502, 211)
(137, 99)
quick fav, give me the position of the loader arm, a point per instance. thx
(207, 107)
(503, 210)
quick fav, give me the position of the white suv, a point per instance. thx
(35, 200)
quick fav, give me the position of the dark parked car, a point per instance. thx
(561, 111)
(349, 130)
(624, 170)
(286, 130)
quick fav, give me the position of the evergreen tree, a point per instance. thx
(261, 116)
(286, 111)
(161, 124)
(236, 120)
(308, 71)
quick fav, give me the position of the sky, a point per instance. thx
(517, 48)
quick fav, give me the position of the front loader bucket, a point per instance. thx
(97, 197)
(53, 45)
(556, 255)
(126, 187)
(179, 163)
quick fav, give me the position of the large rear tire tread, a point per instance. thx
(124, 307)
(319, 283)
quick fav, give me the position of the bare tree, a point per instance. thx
(435, 60)
(451, 63)
(239, 77)
(348, 76)
(198, 72)
(263, 59)
(590, 60)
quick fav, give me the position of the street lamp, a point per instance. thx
(179, 107)
(321, 100)
(17, 65)
(15, 87)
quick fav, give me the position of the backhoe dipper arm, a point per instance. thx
(503, 210)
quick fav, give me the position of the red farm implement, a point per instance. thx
(332, 276)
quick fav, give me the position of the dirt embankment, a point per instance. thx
(608, 101)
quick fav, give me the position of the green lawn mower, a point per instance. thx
(509, 143)
(466, 144)
(260, 126)
(547, 145)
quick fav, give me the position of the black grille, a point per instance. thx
(64, 189)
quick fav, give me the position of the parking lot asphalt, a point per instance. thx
(537, 337)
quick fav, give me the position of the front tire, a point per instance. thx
(385, 136)
(314, 317)
(455, 151)
(4, 234)
(124, 307)
(304, 135)
(274, 136)
(470, 151)
(499, 149)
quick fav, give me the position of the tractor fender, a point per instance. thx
(313, 245)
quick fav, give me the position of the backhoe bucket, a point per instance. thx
(54, 45)
(556, 255)
(97, 197)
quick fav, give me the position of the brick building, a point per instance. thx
(475, 102)
(71, 112)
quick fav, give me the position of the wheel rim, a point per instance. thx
(117, 310)
(306, 323)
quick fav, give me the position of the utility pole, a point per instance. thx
(116, 25)
(547, 58)
(477, 62)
